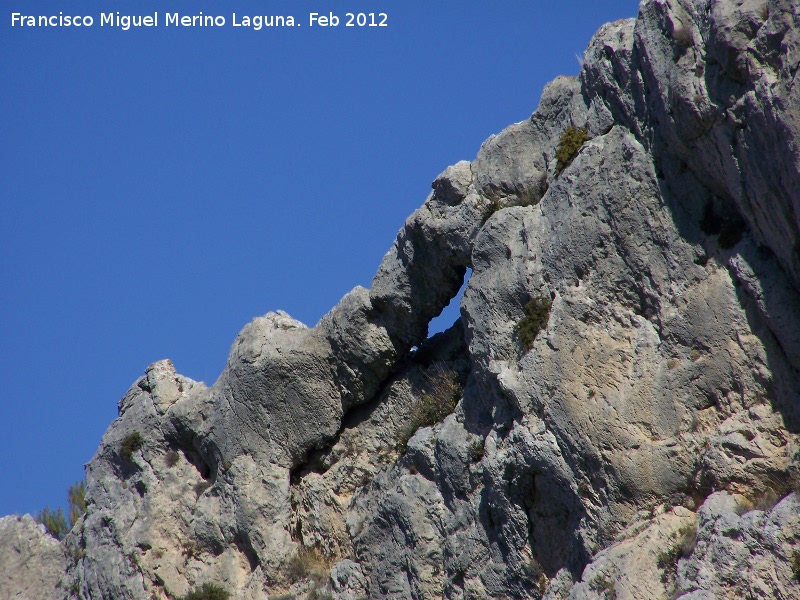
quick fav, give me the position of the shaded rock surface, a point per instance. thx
(644, 446)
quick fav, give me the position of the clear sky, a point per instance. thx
(163, 186)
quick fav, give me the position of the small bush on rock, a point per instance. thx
(537, 314)
(603, 584)
(440, 400)
(476, 449)
(172, 458)
(569, 145)
(683, 547)
(208, 591)
(77, 501)
(443, 392)
(308, 563)
(132, 442)
(54, 522)
(200, 487)
(687, 539)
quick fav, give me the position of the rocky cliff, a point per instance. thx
(615, 414)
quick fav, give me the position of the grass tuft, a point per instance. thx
(308, 563)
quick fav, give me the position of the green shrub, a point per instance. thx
(133, 442)
(443, 392)
(476, 449)
(569, 145)
(603, 584)
(75, 553)
(796, 564)
(54, 522)
(76, 497)
(208, 591)
(537, 313)
(191, 549)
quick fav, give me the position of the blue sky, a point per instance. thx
(163, 186)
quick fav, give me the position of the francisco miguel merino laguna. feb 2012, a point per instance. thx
(125, 22)
(257, 22)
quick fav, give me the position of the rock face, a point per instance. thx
(32, 563)
(640, 442)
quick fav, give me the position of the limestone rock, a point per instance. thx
(32, 562)
(639, 440)
(742, 550)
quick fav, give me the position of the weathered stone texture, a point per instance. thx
(32, 562)
(659, 402)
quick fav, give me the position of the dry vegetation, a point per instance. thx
(442, 392)
(537, 314)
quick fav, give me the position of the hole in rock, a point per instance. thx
(451, 312)
(203, 468)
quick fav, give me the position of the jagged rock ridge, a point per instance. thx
(645, 446)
